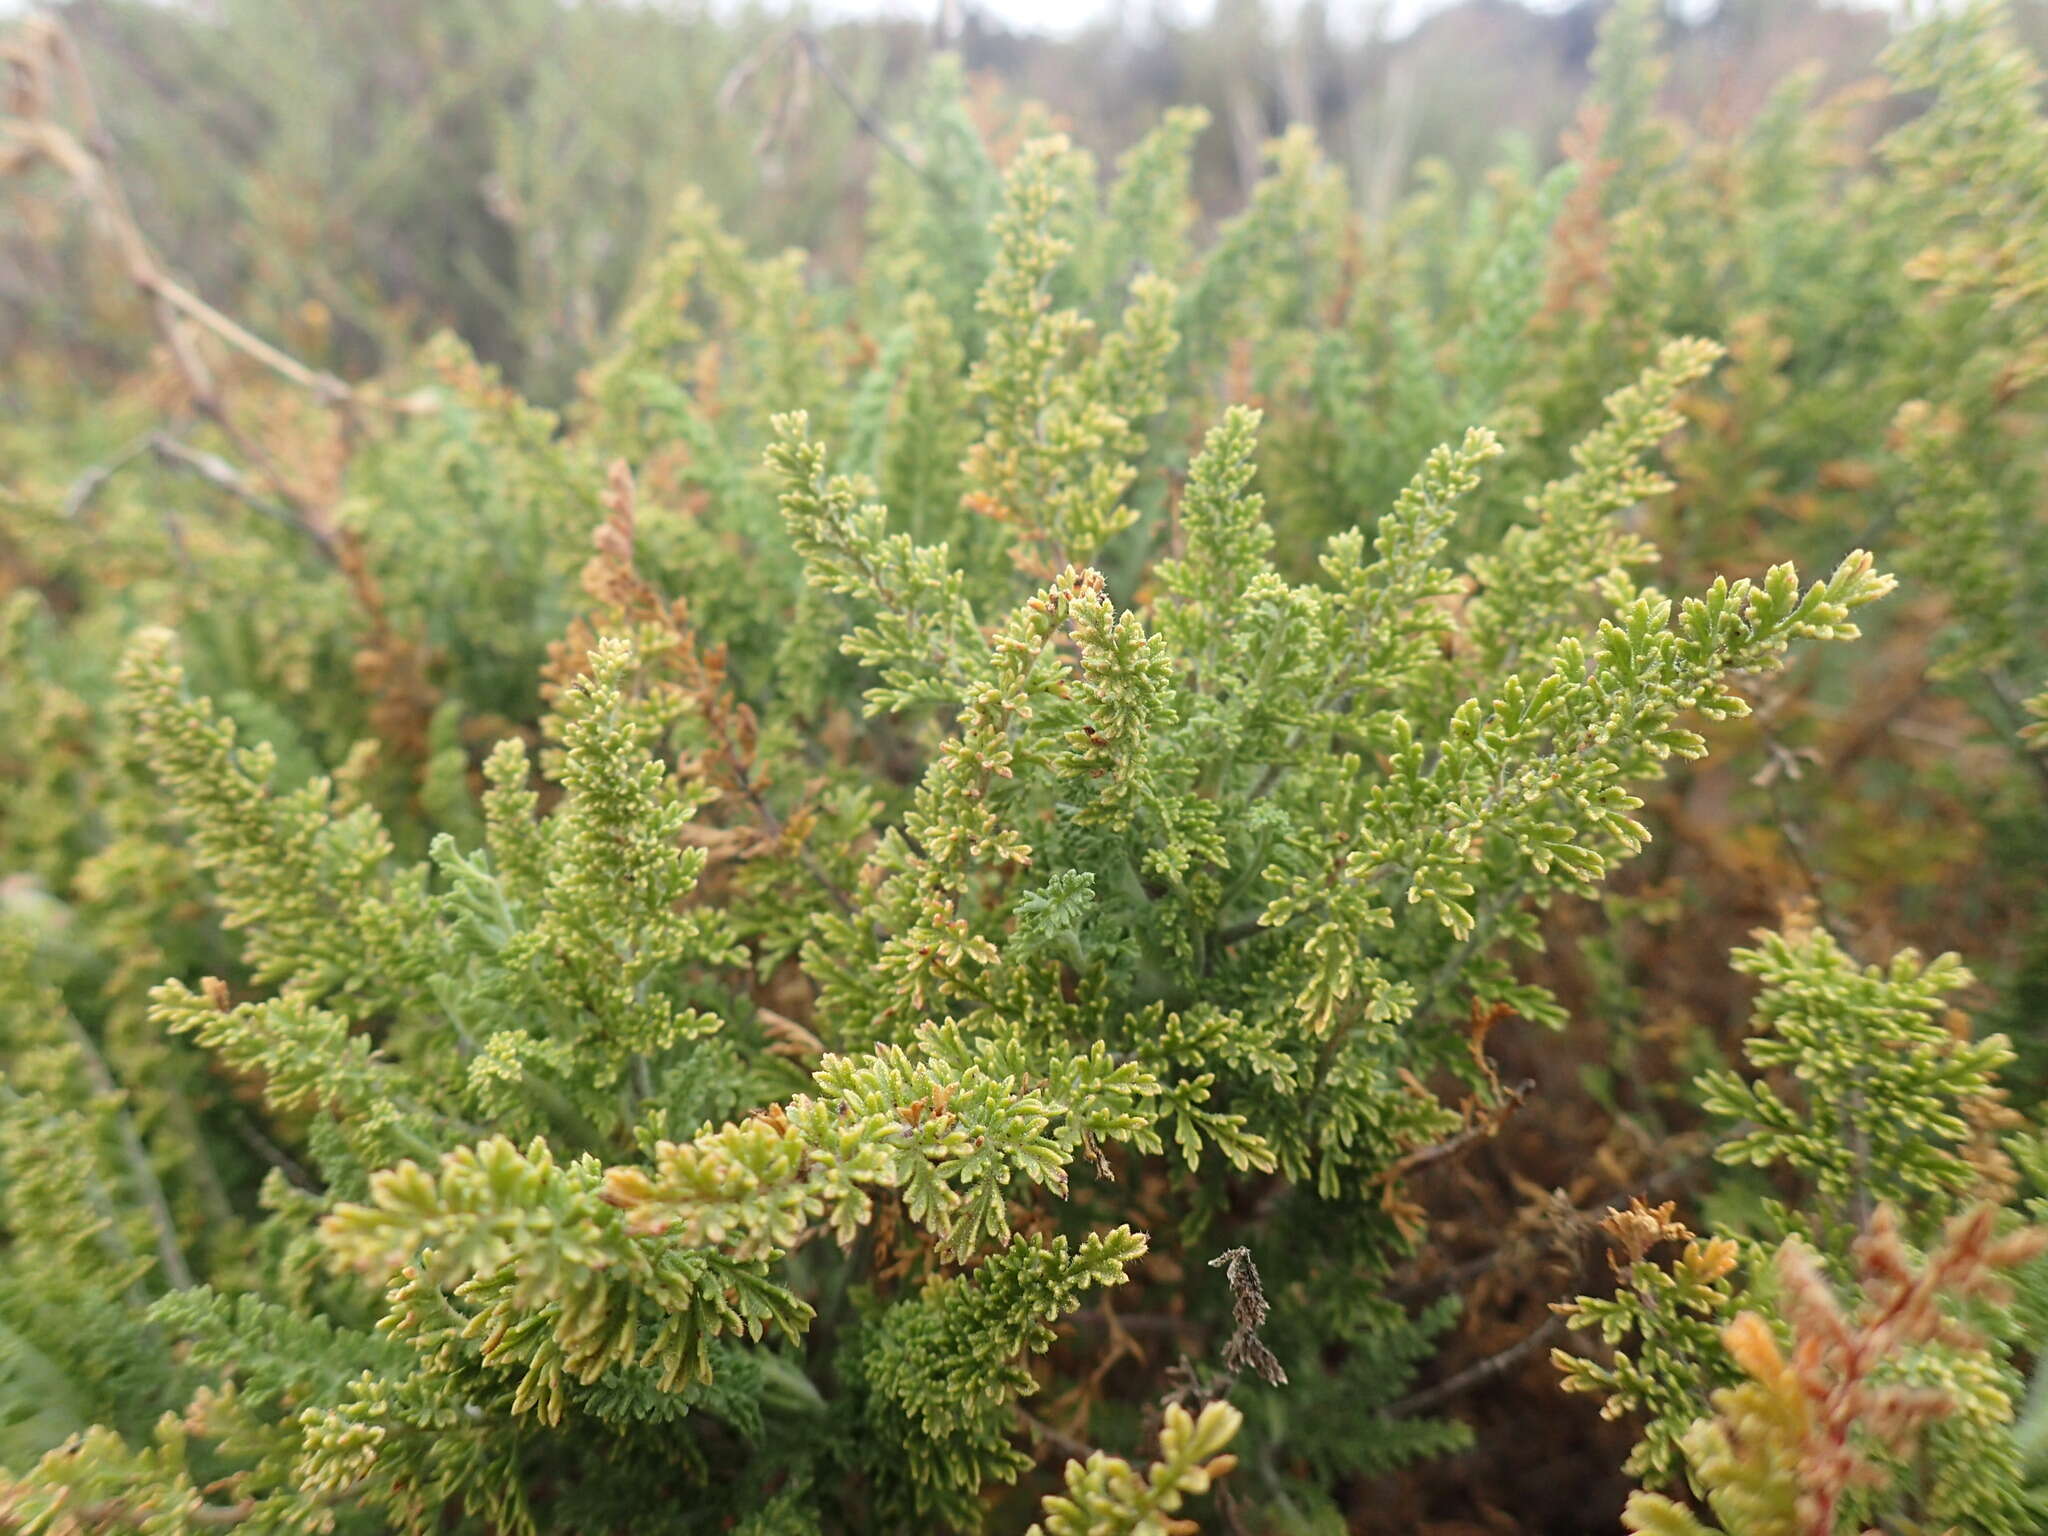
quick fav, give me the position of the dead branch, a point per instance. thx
(48, 116)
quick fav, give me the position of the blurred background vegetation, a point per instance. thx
(350, 177)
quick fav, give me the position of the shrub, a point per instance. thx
(718, 959)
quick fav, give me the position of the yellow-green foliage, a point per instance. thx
(682, 959)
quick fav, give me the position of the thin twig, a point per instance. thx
(1478, 1373)
(271, 1153)
(1582, 1219)
(1059, 1440)
(89, 484)
(148, 1187)
(869, 123)
(44, 139)
(44, 53)
(45, 66)
(1138, 1322)
(222, 475)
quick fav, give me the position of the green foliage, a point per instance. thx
(666, 962)
(1787, 1407)
(938, 1373)
(1825, 1439)
(1107, 1495)
(1676, 1315)
(1885, 1085)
